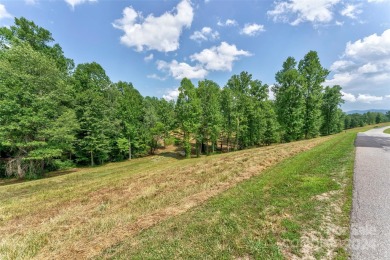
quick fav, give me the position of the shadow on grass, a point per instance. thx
(10, 181)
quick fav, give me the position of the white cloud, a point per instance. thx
(341, 65)
(362, 98)
(348, 97)
(3, 12)
(298, 11)
(368, 68)
(182, 70)
(149, 57)
(364, 68)
(219, 58)
(351, 11)
(371, 47)
(228, 22)
(160, 33)
(171, 94)
(155, 76)
(73, 3)
(204, 35)
(252, 29)
(365, 98)
(342, 79)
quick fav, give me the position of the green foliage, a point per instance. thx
(209, 94)
(387, 116)
(51, 112)
(331, 112)
(170, 140)
(289, 101)
(26, 32)
(129, 113)
(244, 110)
(369, 118)
(271, 132)
(34, 95)
(313, 75)
(123, 146)
(59, 164)
(93, 111)
(188, 110)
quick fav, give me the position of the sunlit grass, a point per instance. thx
(266, 217)
(154, 206)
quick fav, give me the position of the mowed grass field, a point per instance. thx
(282, 201)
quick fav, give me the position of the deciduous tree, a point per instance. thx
(313, 75)
(188, 110)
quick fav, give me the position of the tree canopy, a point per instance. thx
(54, 114)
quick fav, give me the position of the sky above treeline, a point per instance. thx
(155, 43)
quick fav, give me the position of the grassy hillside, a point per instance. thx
(298, 209)
(160, 206)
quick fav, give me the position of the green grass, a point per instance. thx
(99, 207)
(258, 203)
(387, 131)
(264, 217)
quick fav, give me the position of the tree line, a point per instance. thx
(55, 115)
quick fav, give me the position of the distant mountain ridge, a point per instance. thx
(383, 111)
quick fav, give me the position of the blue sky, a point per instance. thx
(154, 44)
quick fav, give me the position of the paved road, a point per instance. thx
(370, 224)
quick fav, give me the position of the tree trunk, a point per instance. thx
(187, 145)
(19, 167)
(227, 143)
(237, 136)
(129, 148)
(92, 162)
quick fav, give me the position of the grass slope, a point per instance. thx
(163, 207)
(300, 208)
(387, 131)
(80, 214)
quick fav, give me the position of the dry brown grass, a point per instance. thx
(80, 214)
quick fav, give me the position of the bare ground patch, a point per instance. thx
(323, 241)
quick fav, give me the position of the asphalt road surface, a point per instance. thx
(370, 223)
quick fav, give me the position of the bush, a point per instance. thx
(169, 140)
(3, 173)
(32, 176)
(177, 141)
(62, 165)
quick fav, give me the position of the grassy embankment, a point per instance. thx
(281, 201)
(387, 131)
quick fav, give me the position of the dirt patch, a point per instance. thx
(322, 242)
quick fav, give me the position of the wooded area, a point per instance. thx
(55, 115)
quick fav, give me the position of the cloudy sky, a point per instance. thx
(155, 43)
